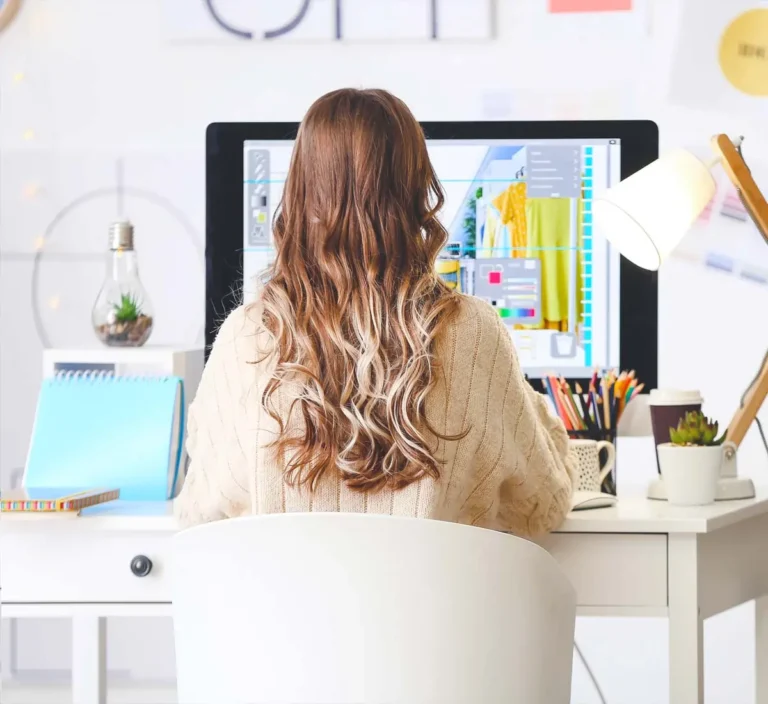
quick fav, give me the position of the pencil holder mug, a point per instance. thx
(586, 454)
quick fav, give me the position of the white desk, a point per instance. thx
(639, 558)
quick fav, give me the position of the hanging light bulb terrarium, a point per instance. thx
(122, 315)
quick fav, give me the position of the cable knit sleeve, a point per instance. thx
(533, 474)
(216, 485)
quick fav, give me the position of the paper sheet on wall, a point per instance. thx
(589, 5)
(570, 21)
(602, 102)
(724, 239)
(497, 105)
(721, 59)
(328, 20)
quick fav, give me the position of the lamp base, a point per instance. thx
(728, 489)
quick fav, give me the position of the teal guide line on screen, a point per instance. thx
(586, 259)
(95, 430)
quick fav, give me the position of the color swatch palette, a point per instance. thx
(517, 313)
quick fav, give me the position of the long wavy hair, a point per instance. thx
(352, 302)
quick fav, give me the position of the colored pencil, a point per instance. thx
(548, 389)
(569, 397)
(627, 394)
(596, 409)
(559, 404)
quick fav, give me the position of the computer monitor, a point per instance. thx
(518, 211)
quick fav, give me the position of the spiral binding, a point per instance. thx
(102, 375)
(99, 375)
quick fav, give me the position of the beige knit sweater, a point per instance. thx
(511, 471)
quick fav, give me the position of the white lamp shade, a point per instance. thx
(646, 215)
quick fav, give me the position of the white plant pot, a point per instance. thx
(690, 474)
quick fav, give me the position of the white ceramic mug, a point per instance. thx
(586, 455)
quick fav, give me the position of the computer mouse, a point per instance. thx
(583, 500)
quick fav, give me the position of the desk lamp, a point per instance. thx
(646, 216)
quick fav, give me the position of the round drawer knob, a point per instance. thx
(141, 565)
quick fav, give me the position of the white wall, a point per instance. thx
(84, 83)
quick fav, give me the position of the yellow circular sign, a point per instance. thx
(744, 52)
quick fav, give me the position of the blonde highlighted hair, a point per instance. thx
(352, 303)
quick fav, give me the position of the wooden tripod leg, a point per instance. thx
(757, 207)
(744, 416)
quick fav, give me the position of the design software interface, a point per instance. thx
(520, 224)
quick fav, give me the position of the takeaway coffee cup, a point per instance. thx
(668, 407)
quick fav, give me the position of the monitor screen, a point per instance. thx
(520, 236)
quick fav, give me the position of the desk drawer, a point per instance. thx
(624, 569)
(45, 566)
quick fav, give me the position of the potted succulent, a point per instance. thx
(690, 463)
(125, 324)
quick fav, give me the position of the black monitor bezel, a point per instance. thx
(638, 304)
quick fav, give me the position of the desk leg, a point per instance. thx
(686, 632)
(7, 648)
(89, 660)
(761, 650)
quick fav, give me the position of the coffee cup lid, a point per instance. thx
(674, 397)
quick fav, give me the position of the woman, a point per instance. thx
(358, 381)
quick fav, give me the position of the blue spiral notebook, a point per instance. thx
(95, 429)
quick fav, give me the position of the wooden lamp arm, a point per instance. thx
(757, 207)
(741, 178)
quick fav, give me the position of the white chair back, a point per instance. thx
(348, 608)
(635, 422)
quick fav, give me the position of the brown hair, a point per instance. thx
(352, 302)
